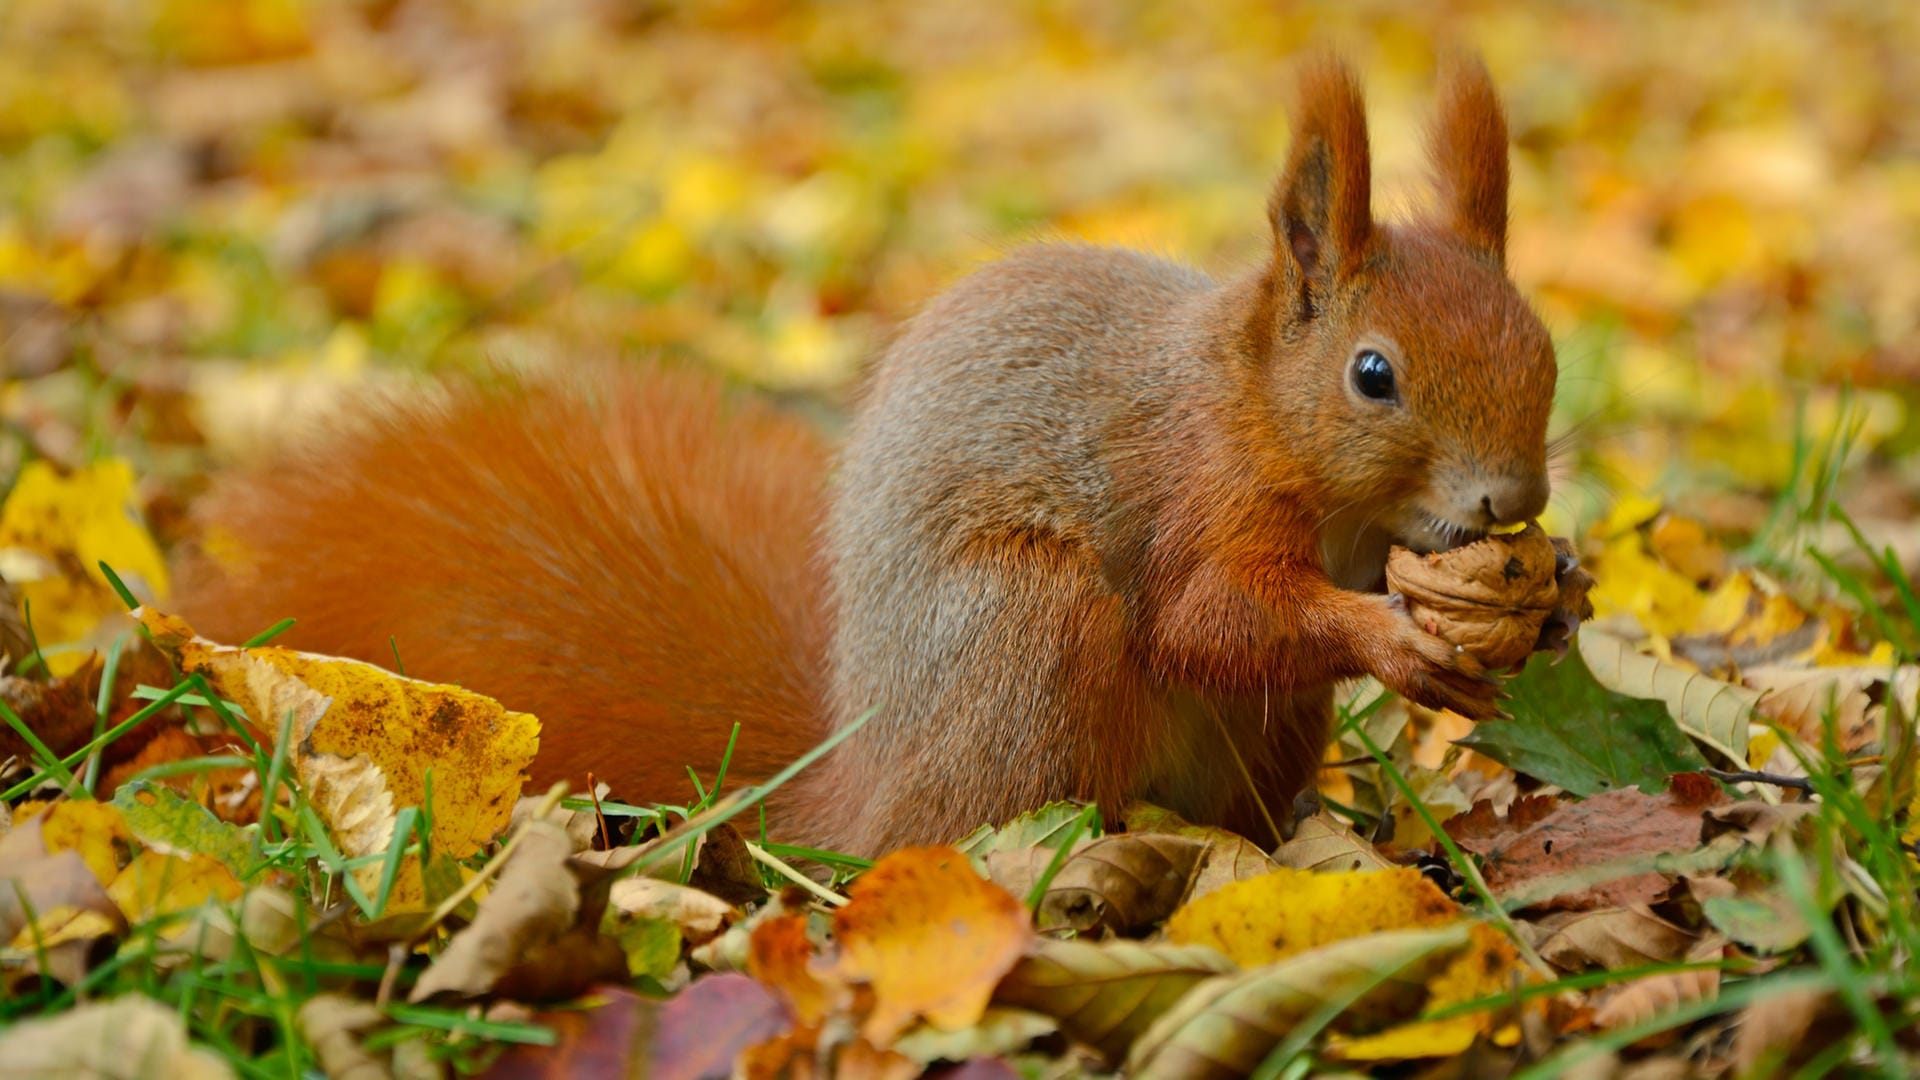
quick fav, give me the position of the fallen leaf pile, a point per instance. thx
(1689, 848)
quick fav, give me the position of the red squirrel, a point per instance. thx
(1102, 528)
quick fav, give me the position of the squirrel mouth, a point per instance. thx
(1442, 535)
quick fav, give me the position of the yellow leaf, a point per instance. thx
(1273, 916)
(156, 884)
(95, 830)
(1270, 918)
(1488, 966)
(61, 924)
(364, 740)
(55, 531)
(655, 258)
(1630, 581)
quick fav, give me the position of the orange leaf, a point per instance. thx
(779, 956)
(931, 936)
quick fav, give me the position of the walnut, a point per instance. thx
(1500, 598)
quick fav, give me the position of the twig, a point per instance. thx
(1791, 783)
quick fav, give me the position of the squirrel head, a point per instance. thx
(1402, 358)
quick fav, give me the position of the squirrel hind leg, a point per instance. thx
(1283, 739)
(1019, 647)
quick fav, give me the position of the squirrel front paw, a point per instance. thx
(1434, 672)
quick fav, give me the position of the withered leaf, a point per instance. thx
(1611, 938)
(1104, 995)
(1117, 884)
(699, 915)
(535, 901)
(1228, 857)
(1322, 843)
(128, 1038)
(333, 1024)
(1226, 1026)
(1604, 829)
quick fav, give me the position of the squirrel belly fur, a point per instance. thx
(1102, 527)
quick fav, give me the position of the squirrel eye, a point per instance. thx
(1373, 376)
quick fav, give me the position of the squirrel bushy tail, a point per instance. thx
(627, 554)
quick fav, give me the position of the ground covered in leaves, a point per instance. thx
(1690, 851)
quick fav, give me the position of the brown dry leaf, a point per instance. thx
(1226, 1026)
(794, 1057)
(1490, 597)
(1716, 713)
(127, 1038)
(724, 867)
(781, 955)
(535, 900)
(1481, 828)
(365, 739)
(1748, 621)
(1684, 545)
(60, 712)
(1228, 856)
(1800, 699)
(1117, 884)
(1606, 828)
(1326, 844)
(1643, 999)
(1782, 1031)
(1754, 821)
(582, 826)
(232, 794)
(564, 967)
(932, 938)
(333, 1025)
(1104, 995)
(15, 642)
(272, 923)
(1610, 938)
(701, 916)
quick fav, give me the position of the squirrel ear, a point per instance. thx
(1468, 146)
(1321, 209)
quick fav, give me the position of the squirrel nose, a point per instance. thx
(1511, 499)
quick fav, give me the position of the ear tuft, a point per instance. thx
(1468, 147)
(1321, 208)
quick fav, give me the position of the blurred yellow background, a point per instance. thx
(211, 212)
